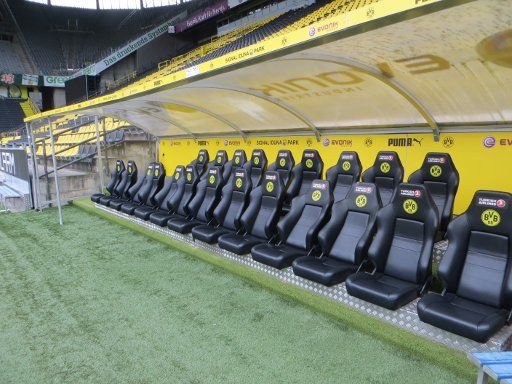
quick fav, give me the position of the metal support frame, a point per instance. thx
(209, 113)
(105, 148)
(55, 174)
(98, 153)
(45, 168)
(378, 75)
(35, 173)
(275, 101)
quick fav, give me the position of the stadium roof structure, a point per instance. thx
(110, 4)
(378, 69)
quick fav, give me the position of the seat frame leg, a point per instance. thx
(483, 378)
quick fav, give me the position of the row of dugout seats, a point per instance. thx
(377, 235)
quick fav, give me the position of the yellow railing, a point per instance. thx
(113, 84)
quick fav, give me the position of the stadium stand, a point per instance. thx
(345, 239)
(386, 173)
(170, 188)
(177, 206)
(253, 33)
(9, 60)
(344, 174)
(11, 114)
(57, 39)
(260, 218)
(203, 204)
(439, 175)
(227, 214)
(383, 253)
(401, 251)
(298, 230)
(120, 191)
(475, 271)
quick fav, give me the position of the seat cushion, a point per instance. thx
(105, 200)
(143, 212)
(96, 197)
(208, 234)
(382, 290)
(280, 256)
(161, 218)
(241, 245)
(116, 203)
(182, 225)
(326, 271)
(129, 208)
(461, 316)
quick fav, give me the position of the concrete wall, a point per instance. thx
(82, 179)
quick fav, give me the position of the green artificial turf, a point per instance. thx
(96, 302)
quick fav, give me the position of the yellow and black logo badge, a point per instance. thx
(410, 206)
(491, 217)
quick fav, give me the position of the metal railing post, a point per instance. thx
(98, 153)
(35, 174)
(57, 190)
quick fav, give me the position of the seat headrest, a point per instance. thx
(437, 167)
(363, 197)
(239, 158)
(272, 185)
(150, 169)
(311, 160)
(413, 201)
(349, 164)
(387, 164)
(241, 181)
(132, 167)
(285, 160)
(119, 166)
(491, 211)
(258, 158)
(221, 158)
(203, 156)
(158, 170)
(214, 178)
(190, 175)
(319, 193)
(179, 172)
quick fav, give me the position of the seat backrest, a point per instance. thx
(156, 184)
(142, 185)
(350, 230)
(185, 192)
(406, 230)
(201, 161)
(477, 262)
(308, 213)
(309, 169)
(171, 186)
(239, 159)
(128, 179)
(283, 165)
(344, 174)
(115, 177)
(207, 196)
(386, 173)
(257, 166)
(221, 162)
(235, 197)
(439, 175)
(261, 216)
